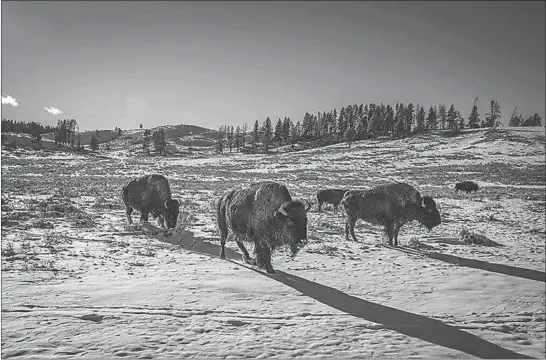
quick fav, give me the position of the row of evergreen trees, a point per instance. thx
(33, 128)
(357, 122)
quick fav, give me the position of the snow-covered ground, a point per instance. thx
(78, 282)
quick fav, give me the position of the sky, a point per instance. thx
(127, 63)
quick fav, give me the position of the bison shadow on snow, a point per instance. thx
(410, 324)
(476, 264)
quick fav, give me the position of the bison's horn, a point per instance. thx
(282, 209)
(426, 202)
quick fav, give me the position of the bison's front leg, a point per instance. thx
(263, 257)
(396, 230)
(144, 213)
(350, 228)
(389, 230)
(161, 221)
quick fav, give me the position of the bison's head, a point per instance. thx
(428, 213)
(293, 222)
(171, 212)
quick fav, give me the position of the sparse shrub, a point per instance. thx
(322, 249)
(471, 237)
(84, 220)
(8, 250)
(25, 246)
(416, 244)
(43, 224)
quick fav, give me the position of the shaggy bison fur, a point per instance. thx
(391, 205)
(151, 194)
(265, 214)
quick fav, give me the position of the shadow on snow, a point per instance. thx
(410, 324)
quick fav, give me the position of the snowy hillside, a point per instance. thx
(77, 281)
(181, 140)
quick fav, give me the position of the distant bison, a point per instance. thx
(265, 214)
(151, 194)
(467, 186)
(391, 205)
(330, 196)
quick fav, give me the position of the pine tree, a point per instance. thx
(229, 138)
(514, 119)
(160, 143)
(256, 132)
(221, 140)
(278, 131)
(238, 138)
(442, 116)
(286, 126)
(491, 119)
(267, 134)
(432, 119)
(451, 118)
(350, 136)
(534, 120)
(340, 126)
(243, 137)
(474, 118)
(420, 120)
(408, 119)
(399, 120)
(460, 121)
(389, 121)
(307, 126)
(297, 131)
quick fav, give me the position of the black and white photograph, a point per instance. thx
(273, 179)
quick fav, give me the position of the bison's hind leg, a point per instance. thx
(223, 239)
(129, 211)
(246, 255)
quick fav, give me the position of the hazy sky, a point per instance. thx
(110, 64)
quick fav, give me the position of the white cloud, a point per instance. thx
(9, 100)
(53, 110)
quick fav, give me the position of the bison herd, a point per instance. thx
(266, 215)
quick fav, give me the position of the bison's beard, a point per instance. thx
(296, 246)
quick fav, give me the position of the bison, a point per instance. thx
(330, 196)
(151, 194)
(467, 186)
(391, 205)
(265, 214)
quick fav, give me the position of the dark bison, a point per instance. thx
(265, 214)
(467, 186)
(391, 205)
(330, 196)
(151, 194)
